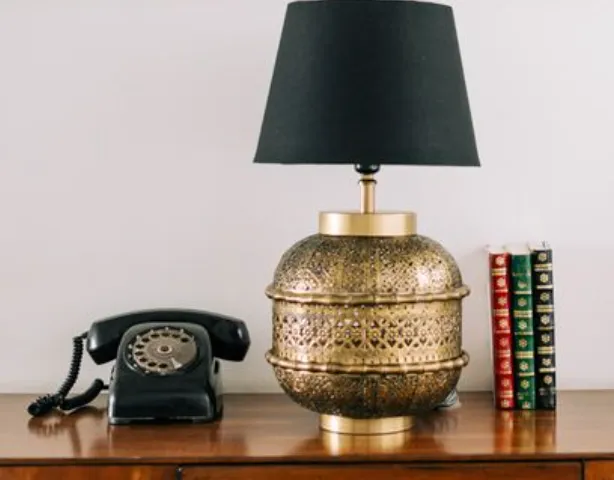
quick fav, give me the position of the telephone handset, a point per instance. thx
(166, 365)
(229, 336)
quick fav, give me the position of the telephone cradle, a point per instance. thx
(167, 366)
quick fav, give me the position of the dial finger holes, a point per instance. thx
(166, 350)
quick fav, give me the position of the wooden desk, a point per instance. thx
(267, 437)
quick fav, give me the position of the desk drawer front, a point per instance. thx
(88, 473)
(599, 470)
(454, 471)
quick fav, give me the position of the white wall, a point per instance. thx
(127, 130)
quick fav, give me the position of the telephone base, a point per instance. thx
(161, 421)
(144, 388)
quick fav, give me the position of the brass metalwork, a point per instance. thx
(355, 266)
(367, 222)
(367, 327)
(362, 298)
(380, 224)
(457, 362)
(341, 444)
(370, 426)
(367, 188)
(367, 395)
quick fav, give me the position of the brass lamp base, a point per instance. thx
(366, 323)
(369, 426)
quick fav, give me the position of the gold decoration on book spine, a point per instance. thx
(367, 327)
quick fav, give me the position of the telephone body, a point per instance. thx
(166, 365)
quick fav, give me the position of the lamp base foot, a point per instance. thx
(375, 426)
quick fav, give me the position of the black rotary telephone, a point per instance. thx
(166, 368)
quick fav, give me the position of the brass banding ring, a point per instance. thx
(452, 364)
(365, 298)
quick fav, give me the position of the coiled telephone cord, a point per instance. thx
(46, 403)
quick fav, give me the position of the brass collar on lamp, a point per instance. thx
(367, 222)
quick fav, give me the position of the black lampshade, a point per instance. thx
(368, 82)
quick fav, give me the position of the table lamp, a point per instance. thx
(367, 312)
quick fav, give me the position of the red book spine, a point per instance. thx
(503, 364)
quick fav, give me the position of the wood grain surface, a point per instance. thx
(272, 429)
(596, 470)
(88, 473)
(501, 471)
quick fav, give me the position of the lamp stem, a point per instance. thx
(367, 193)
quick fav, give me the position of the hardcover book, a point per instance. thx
(523, 349)
(501, 329)
(543, 321)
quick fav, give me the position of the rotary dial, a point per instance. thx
(163, 350)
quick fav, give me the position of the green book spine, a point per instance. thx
(544, 325)
(523, 334)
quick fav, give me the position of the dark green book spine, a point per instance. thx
(543, 325)
(523, 334)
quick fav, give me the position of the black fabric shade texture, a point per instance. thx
(368, 82)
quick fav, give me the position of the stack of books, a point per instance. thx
(521, 294)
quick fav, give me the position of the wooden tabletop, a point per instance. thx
(270, 428)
